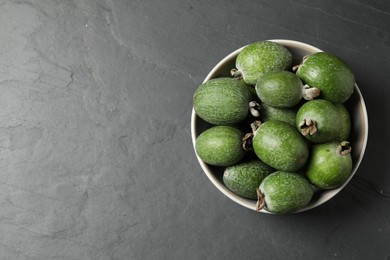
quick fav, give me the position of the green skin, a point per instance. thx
(244, 178)
(220, 146)
(281, 89)
(287, 115)
(327, 167)
(222, 101)
(344, 123)
(326, 118)
(285, 192)
(261, 57)
(280, 145)
(330, 74)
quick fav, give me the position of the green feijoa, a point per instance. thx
(222, 101)
(344, 123)
(244, 178)
(283, 89)
(330, 164)
(328, 73)
(287, 115)
(280, 145)
(284, 192)
(261, 57)
(220, 146)
(318, 120)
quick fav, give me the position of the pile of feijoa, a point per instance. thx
(279, 130)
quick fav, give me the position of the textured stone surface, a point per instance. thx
(96, 159)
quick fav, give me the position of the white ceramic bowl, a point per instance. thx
(355, 105)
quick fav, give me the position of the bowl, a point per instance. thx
(355, 106)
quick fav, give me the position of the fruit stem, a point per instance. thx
(254, 108)
(309, 93)
(308, 127)
(260, 200)
(344, 148)
(236, 73)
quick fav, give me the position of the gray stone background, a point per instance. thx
(96, 159)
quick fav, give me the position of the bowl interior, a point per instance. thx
(355, 106)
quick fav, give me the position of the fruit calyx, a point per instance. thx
(308, 127)
(344, 148)
(254, 108)
(236, 73)
(296, 67)
(255, 126)
(247, 142)
(309, 93)
(248, 137)
(260, 200)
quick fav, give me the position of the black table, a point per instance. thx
(96, 158)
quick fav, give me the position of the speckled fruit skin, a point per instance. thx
(326, 116)
(344, 123)
(280, 145)
(285, 192)
(281, 89)
(220, 146)
(244, 178)
(261, 57)
(287, 115)
(222, 101)
(327, 168)
(330, 74)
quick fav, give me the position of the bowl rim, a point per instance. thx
(250, 203)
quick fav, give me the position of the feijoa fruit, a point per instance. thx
(317, 120)
(284, 192)
(222, 101)
(261, 57)
(328, 73)
(283, 89)
(220, 146)
(244, 178)
(330, 164)
(280, 145)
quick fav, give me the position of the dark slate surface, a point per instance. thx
(96, 159)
